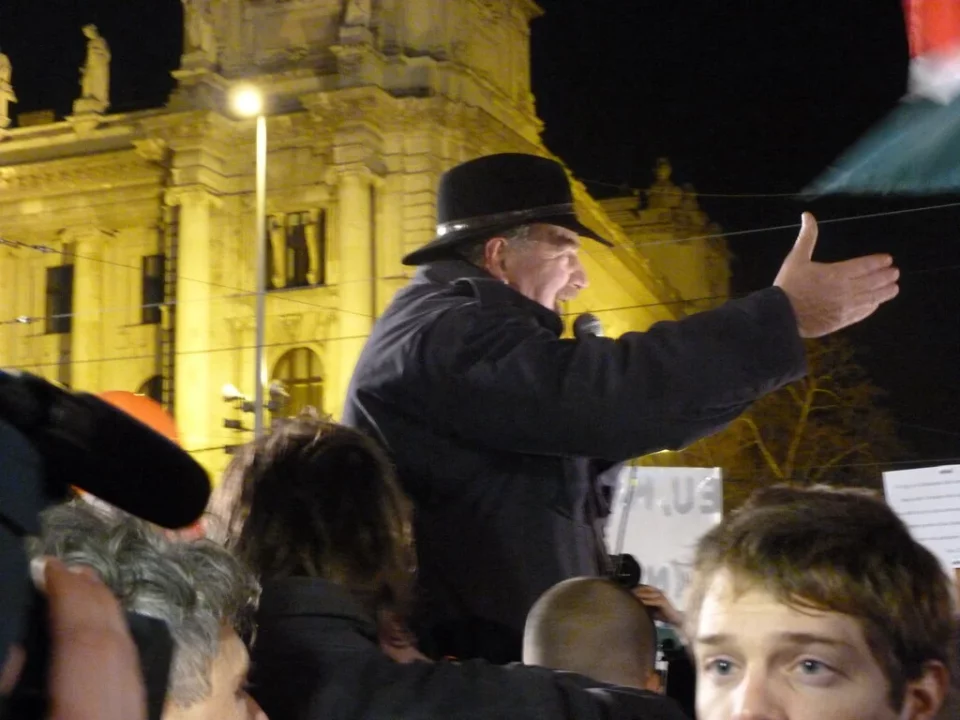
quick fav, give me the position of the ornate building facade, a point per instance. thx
(128, 252)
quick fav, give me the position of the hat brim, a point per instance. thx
(442, 247)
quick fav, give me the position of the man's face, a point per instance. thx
(760, 659)
(546, 268)
(228, 699)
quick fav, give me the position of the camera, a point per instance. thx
(51, 441)
(627, 572)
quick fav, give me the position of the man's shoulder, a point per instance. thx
(463, 291)
(463, 302)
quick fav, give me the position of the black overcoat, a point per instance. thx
(501, 430)
(316, 657)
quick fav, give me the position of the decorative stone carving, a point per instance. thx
(371, 106)
(491, 12)
(94, 75)
(292, 324)
(663, 194)
(75, 173)
(198, 23)
(357, 13)
(154, 150)
(199, 32)
(7, 95)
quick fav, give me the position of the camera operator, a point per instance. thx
(681, 677)
(205, 596)
(53, 633)
(94, 669)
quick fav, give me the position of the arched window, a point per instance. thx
(302, 376)
(152, 388)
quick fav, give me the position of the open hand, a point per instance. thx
(827, 297)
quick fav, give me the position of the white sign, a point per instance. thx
(928, 502)
(658, 516)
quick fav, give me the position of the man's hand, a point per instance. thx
(659, 606)
(94, 667)
(829, 297)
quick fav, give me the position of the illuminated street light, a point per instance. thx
(247, 101)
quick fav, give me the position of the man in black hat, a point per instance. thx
(502, 431)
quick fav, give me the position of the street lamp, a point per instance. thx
(248, 102)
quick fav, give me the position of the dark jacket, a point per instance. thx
(316, 657)
(499, 428)
(951, 705)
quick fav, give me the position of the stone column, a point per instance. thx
(311, 234)
(277, 225)
(355, 282)
(197, 401)
(89, 323)
(390, 226)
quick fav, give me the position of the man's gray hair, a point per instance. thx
(473, 253)
(197, 587)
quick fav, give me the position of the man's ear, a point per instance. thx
(495, 257)
(925, 695)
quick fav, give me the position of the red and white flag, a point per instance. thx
(933, 28)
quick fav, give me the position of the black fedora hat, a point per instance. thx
(495, 193)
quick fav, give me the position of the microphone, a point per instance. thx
(87, 443)
(587, 325)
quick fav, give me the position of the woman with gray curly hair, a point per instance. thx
(203, 593)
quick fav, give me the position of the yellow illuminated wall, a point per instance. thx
(366, 112)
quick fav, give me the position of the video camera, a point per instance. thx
(52, 440)
(626, 570)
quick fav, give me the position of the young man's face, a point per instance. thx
(760, 659)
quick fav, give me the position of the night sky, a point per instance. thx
(744, 96)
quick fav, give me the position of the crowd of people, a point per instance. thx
(440, 553)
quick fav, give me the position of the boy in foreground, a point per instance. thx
(817, 604)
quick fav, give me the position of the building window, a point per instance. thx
(300, 372)
(151, 298)
(298, 260)
(297, 249)
(59, 310)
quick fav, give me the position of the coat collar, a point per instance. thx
(296, 596)
(487, 289)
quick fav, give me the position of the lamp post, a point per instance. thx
(248, 102)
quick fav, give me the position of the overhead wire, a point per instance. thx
(185, 353)
(282, 296)
(679, 190)
(794, 226)
(239, 293)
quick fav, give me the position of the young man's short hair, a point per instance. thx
(838, 550)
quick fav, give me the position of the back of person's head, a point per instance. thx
(200, 590)
(827, 553)
(317, 499)
(593, 627)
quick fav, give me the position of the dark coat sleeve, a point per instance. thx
(492, 376)
(381, 689)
